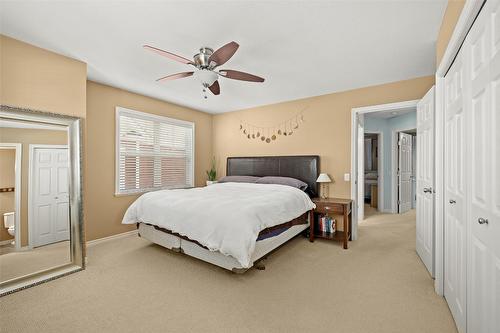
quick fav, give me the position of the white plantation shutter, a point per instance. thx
(152, 152)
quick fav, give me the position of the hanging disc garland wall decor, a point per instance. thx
(268, 134)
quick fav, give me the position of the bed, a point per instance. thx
(231, 225)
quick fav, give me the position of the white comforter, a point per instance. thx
(223, 217)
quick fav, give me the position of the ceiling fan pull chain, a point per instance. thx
(205, 92)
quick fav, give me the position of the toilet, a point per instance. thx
(9, 223)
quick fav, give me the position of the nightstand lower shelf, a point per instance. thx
(338, 235)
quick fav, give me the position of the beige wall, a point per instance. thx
(325, 132)
(35, 78)
(7, 179)
(27, 137)
(451, 15)
(104, 210)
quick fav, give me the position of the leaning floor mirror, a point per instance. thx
(41, 230)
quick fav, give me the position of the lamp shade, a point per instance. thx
(323, 178)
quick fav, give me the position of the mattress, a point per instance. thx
(226, 218)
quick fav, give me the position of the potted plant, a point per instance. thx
(212, 173)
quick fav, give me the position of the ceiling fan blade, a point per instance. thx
(168, 54)
(175, 76)
(237, 75)
(224, 53)
(215, 88)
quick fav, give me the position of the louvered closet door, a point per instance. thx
(483, 287)
(455, 274)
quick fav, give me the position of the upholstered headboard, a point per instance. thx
(305, 168)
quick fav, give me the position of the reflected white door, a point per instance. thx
(360, 179)
(483, 107)
(404, 172)
(425, 180)
(50, 218)
(455, 232)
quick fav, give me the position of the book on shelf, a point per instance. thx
(327, 224)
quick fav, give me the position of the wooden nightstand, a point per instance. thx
(332, 206)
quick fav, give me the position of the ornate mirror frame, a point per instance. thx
(77, 242)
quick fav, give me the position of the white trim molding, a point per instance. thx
(18, 147)
(6, 242)
(355, 112)
(469, 13)
(112, 237)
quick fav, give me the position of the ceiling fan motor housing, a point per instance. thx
(201, 59)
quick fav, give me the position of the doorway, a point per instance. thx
(49, 195)
(404, 145)
(376, 158)
(10, 200)
(373, 194)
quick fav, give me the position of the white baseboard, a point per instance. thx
(113, 237)
(6, 242)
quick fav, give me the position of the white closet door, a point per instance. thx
(404, 172)
(483, 278)
(455, 233)
(425, 180)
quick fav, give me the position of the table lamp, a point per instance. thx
(323, 179)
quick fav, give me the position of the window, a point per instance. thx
(152, 152)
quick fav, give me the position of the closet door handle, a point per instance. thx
(427, 190)
(452, 201)
(482, 220)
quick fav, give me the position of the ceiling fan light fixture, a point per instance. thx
(206, 77)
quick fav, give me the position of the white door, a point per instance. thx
(425, 180)
(361, 168)
(50, 219)
(405, 143)
(454, 193)
(483, 165)
(414, 173)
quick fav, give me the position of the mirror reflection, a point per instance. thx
(34, 197)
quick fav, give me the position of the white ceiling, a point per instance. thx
(302, 48)
(386, 114)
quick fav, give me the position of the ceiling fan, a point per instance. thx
(206, 63)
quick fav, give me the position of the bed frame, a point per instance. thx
(305, 168)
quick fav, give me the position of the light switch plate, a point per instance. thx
(347, 177)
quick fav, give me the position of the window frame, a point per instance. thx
(119, 111)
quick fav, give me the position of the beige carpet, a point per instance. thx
(378, 285)
(16, 264)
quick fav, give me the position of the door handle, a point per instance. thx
(427, 189)
(482, 220)
(452, 201)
